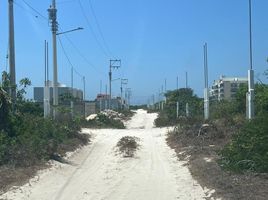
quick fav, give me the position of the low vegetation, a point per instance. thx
(103, 121)
(227, 152)
(128, 145)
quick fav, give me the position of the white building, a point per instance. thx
(225, 88)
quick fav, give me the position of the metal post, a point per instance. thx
(177, 82)
(46, 87)
(186, 79)
(250, 94)
(177, 109)
(84, 86)
(206, 92)
(12, 71)
(106, 93)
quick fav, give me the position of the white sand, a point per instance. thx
(97, 173)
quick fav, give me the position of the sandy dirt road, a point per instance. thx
(97, 173)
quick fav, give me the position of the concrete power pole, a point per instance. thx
(54, 28)
(206, 92)
(250, 93)
(114, 64)
(124, 81)
(12, 71)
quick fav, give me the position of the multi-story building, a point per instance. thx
(225, 88)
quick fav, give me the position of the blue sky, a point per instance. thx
(156, 40)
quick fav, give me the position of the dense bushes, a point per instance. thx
(36, 139)
(26, 138)
(248, 150)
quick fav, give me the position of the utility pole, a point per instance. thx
(128, 90)
(124, 81)
(250, 93)
(206, 92)
(72, 88)
(114, 64)
(12, 71)
(54, 28)
(100, 96)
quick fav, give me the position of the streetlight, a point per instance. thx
(72, 30)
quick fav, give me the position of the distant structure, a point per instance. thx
(103, 100)
(225, 88)
(62, 90)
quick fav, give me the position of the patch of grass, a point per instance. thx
(128, 145)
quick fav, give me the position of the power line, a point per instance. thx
(83, 56)
(93, 32)
(35, 10)
(68, 59)
(99, 28)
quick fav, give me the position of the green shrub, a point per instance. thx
(248, 149)
(36, 139)
(103, 121)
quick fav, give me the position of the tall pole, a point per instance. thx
(186, 79)
(12, 71)
(72, 88)
(165, 85)
(54, 28)
(250, 93)
(106, 93)
(206, 94)
(100, 95)
(177, 82)
(46, 87)
(124, 81)
(121, 93)
(84, 86)
(113, 64)
(110, 85)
